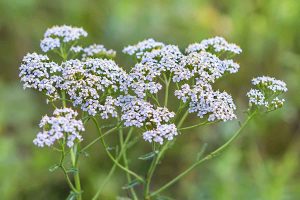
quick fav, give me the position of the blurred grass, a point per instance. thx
(263, 164)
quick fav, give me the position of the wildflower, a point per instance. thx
(87, 81)
(139, 113)
(55, 36)
(49, 43)
(140, 48)
(97, 50)
(270, 83)
(266, 96)
(216, 44)
(65, 33)
(206, 102)
(76, 49)
(37, 72)
(165, 131)
(208, 67)
(61, 126)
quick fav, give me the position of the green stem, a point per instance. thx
(112, 170)
(97, 139)
(167, 83)
(74, 161)
(196, 125)
(208, 157)
(121, 137)
(61, 165)
(111, 156)
(157, 159)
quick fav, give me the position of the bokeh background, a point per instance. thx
(263, 164)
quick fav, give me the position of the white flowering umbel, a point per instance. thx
(57, 35)
(86, 82)
(38, 72)
(139, 113)
(62, 126)
(134, 102)
(215, 44)
(206, 102)
(266, 96)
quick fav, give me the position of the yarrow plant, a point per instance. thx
(84, 84)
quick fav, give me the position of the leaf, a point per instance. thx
(53, 168)
(132, 184)
(148, 156)
(201, 152)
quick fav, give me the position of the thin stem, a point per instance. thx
(182, 119)
(98, 138)
(111, 156)
(112, 170)
(208, 157)
(157, 159)
(74, 161)
(196, 125)
(121, 137)
(167, 83)
(64, 169)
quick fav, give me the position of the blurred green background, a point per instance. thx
(263, 164)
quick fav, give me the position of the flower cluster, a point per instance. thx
(208, 67)
(36, 71)
(91, 80)
(62, 126)
(97, 50)
(56, 35)
(204, 101)
(86, 82)
(140, 48)
(139, 113)
(266, 96)
(216, 44)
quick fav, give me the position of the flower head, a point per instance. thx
(53, 37)
(98, 50)
(266, 96)
(215, 44)
(61, 126)
(140, 48)
(206, 102)
(87, 81)
(36, 71)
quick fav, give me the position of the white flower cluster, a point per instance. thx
(270, 83)
(57, 34)
(37, 72)
(96, 50)
(266, 96)
(208, 67)
(140, 48)
(165, 131)
(139, 113)
(97, 85)
(159, 58)
(87, 81)
(61, 126)
(215, 44)
(206, 102)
